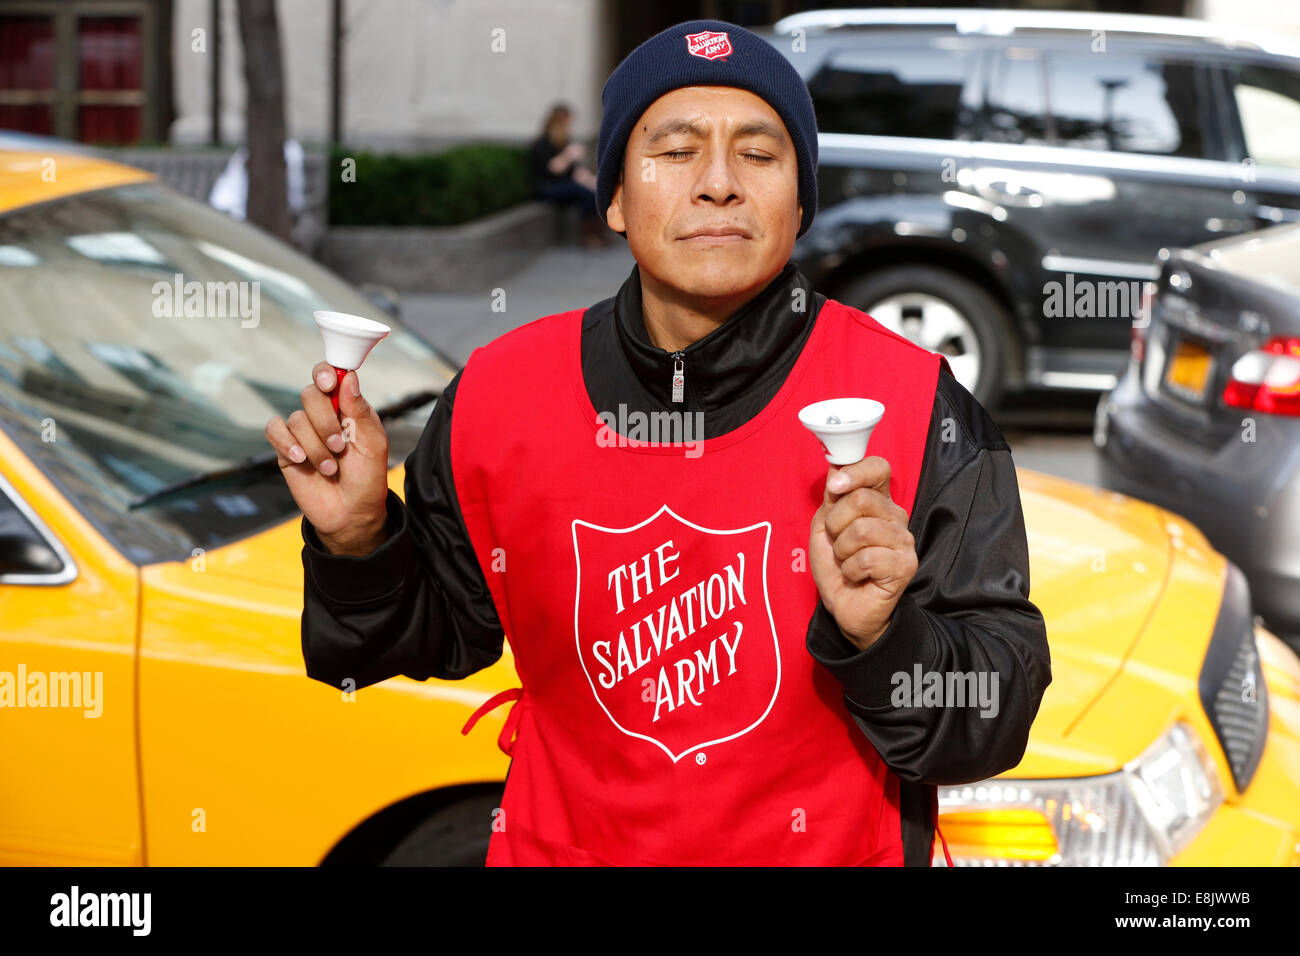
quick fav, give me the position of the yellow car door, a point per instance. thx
(69, 791)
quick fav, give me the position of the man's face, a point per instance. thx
(705, 157)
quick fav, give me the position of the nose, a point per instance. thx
(717, 181)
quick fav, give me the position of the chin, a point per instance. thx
(721, 275)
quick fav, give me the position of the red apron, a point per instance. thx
(656, 596)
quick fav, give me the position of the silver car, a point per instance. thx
(1205, 421)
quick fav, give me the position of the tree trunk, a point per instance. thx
(268, 194)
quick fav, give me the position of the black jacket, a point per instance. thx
(419, 604)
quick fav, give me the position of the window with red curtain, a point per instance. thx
(27, 74)
(109, 55)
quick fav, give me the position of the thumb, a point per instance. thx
(829, 495)
(821, 552)
(353, 405)
(819, 519)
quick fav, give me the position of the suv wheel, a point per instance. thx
(944, 312)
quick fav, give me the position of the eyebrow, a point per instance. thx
(673, 126)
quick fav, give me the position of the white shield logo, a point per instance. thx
(674, 629)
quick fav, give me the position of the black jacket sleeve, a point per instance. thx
(966, 610)
(418, 605)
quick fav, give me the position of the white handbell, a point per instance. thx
(348, 338)
(843, 426)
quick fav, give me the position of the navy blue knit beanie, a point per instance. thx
(705, 53)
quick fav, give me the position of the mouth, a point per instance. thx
(717, 234)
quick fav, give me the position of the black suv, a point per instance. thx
(996, 185)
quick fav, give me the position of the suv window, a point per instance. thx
(1131, 104)
(1268, 103)
(913, 91)
(1016, 108)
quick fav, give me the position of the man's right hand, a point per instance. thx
(340, 485)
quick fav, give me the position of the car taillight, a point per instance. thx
(1138, 330)
(1267, 379)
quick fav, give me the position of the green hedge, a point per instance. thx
(443, 189)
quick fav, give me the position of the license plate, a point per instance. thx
(1188, 370)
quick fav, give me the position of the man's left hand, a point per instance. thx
(861, 553)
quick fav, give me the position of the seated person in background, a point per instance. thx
(559, 178)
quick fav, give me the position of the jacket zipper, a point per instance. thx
(679, 376)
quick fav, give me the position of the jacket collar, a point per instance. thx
(731, 359)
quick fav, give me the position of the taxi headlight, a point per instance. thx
(1141, 816)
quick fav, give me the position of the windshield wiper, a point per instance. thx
(266, 459)
(404, 405)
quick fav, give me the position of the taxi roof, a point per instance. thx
(28, 177)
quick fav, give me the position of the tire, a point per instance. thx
(985, 340)
(456, 835)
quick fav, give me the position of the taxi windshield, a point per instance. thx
(145, 339)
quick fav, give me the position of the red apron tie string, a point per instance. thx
(505, 739)
(946, 855)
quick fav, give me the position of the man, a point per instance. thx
(712, 630)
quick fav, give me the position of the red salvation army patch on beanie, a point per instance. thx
(709, 44)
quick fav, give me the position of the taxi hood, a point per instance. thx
(273, 557)
(1098, 566)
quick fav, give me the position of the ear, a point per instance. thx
(614, 215)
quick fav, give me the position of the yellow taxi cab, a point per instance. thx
(153, 703)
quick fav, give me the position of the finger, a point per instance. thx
(862, 503)
(864, 532)
(880, 565)
(305, 435)
(288, 451)
(324, 376)
(871, 472)
(320, 411)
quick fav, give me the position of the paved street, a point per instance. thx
(1047, 431)
(558, 280)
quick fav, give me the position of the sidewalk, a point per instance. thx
(556, 281)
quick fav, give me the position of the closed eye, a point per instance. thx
(761, 159)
